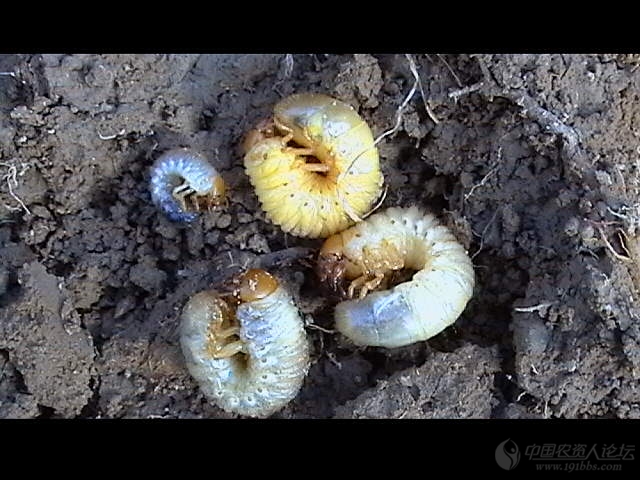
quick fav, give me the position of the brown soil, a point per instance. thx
(532, 161)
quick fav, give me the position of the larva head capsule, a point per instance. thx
(331, 265)
(255, 284)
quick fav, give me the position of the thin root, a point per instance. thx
(9, 178)
(111, 137)
(482, 182)
(310, 324)
(484, 232)
(414, 71)
(533, 308)
(399, 112)
(377, 205)
(623, 241)
(610, 248)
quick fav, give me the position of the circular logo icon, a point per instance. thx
(508, 454)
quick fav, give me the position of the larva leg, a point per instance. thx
(282, 127)
(366, 284)
(316, 167)
(229, 350)
(376, 262)
(311, 167)
(181, 192)
(299, 150)
(229, 332)
(355, 284)
(371, 284)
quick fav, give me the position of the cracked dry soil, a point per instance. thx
(531, 159)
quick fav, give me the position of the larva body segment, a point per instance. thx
(272, 359)
(373, 251)
(183, 183)
(314, 165)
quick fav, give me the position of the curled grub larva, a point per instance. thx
(383, 250)
(247, 350)
(184, 183)
(314, 165)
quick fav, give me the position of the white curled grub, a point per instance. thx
(248, 350)
(373, 254)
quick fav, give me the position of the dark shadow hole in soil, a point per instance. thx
(206, 119)
(9, 370)
(46, 412)
(386, 362)
(14, 223)
(61, 269)
(91, 409)
(13, 91)
(12, 289)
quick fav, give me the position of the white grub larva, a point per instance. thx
(184, 183)
(314, 165)
(247, 350)
(374, 254)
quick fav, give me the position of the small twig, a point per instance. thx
(533, 308)
(8, 74)
(414, 71)
(111, 137)
(455, 94)
(535, 112)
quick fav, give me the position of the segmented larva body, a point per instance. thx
(314, 165)
(372, 252)
(184, 183)
(261, 371)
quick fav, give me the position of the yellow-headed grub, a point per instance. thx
(411, 277)
(247, 349)
(314, 165)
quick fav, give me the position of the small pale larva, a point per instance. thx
(375, 254)
(184, 183)
(314, 165)
(247, 350)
